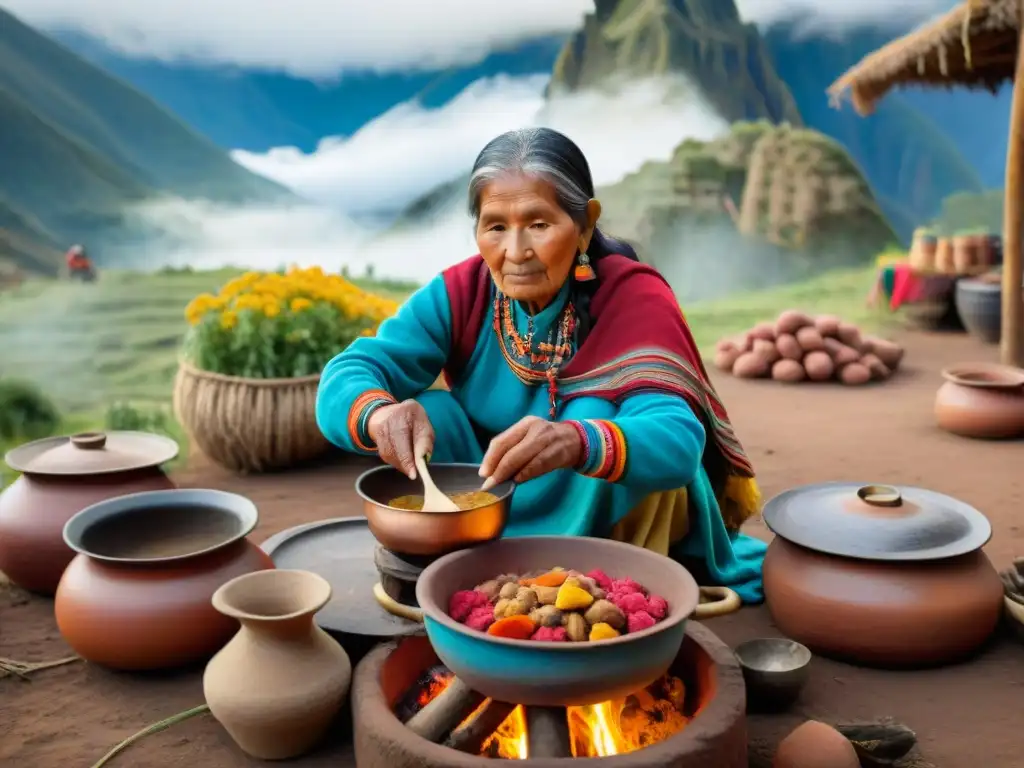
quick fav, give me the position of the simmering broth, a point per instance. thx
(463, 500)
(159, 532)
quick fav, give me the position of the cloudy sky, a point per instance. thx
(323, 37)
(408, 150)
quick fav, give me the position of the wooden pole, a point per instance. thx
(1012, 336)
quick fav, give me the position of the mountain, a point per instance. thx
(909, 160)
(77, 146)
(763, 204)
(919, 148)
(704, 39)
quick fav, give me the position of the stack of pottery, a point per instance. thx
(278, 685)
(923, 251)
(981, 400)
(972, 254)
(60, 476)
(945, 263)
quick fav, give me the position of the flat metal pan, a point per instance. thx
(341, 551)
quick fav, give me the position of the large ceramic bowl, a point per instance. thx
(556, 674)
(426, 533)
(137, 596)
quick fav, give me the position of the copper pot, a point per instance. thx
(430, 533)
(138, 595)
(60, 476)
(981, 400)
(879, 575)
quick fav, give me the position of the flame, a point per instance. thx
(599, 730)
(511, 740)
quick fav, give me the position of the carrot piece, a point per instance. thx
(513, 627)
(550, 579)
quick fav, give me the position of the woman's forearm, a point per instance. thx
(655, 443)
(402, 360)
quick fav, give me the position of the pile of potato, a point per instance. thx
(797, 347)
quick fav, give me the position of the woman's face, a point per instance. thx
(529, 243)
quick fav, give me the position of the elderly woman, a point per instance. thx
(570, 369)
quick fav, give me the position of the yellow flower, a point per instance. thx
(271, 309)
(199, 306)
(299, 304)
(228, 319)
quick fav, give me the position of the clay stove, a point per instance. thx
(411, 713)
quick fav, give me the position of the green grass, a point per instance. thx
(118, 339)
(114, 340)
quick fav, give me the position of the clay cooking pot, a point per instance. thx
(61, 476)
(879, 575)
(137, 596)
(981, 400)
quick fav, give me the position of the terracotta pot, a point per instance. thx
(60, 477)
(965, 255)
(278, 685)
(880, 576)
(944, 260)
(981, 400)
(922, 251)
(983, 249)
(137, 596)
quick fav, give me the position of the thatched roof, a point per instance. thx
(974, 45)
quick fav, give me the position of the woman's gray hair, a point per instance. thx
(553, 157)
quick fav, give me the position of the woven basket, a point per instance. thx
(249, 425)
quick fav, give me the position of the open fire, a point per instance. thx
(618, 727)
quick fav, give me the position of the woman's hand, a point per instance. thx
(401, 432)
(530, 448)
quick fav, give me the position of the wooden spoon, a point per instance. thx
(433, 499)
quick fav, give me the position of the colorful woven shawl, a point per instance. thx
(640, 342)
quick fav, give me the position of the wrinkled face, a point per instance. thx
(529, 243)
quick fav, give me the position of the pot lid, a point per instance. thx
(92, 453)
(877, 522)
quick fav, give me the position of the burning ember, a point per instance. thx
(601, 730)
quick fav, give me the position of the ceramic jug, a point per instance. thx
(277, 686)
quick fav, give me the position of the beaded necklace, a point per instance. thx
(533, 364)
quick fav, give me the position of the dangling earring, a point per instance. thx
(584, 272)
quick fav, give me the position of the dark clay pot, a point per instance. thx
(981, 400)
(880, 576)
(138, 596)
(979, 303)
(60, 477)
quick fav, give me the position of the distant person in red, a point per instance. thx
(78, 263)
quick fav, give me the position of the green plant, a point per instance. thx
(25, 411)
(126, 417)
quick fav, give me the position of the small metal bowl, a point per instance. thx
(425, 533)
(775, 670)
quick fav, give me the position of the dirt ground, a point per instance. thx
(965, 716)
